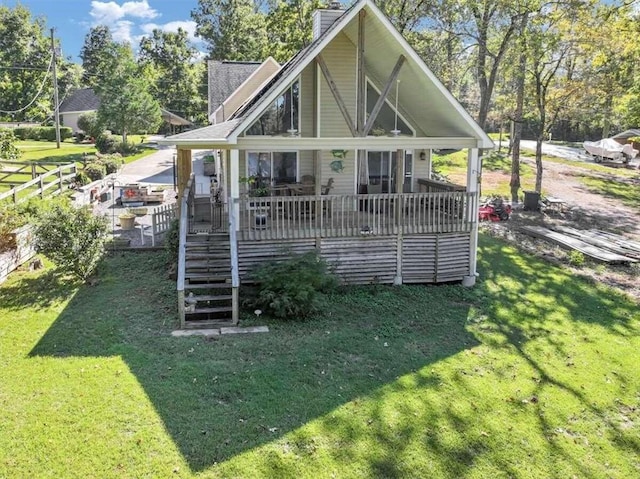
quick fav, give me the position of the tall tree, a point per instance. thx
(170, 60)
(97, 55)
(233, 29)
(126, 105)
(25, 57)
(289, 27)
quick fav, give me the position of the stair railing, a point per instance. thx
(185, 209)
(235, 276)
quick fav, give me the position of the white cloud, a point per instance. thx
(113, 15)
(106, 13)
(187, 25)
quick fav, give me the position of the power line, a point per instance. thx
(37, 94)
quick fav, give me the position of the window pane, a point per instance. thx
(259, 169)
(386, 117)
(280, 116)
(285, 165)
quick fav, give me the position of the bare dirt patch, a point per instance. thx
(585, 209)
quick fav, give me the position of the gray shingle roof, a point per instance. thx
(212, 132)
(225, 77)
(81, 100)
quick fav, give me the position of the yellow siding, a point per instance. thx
(340, 56)
(343, 183)
(307, 99)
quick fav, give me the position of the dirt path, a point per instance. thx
(585, 209)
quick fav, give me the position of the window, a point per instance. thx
(272, 167)
(387, 117)
(282, 117)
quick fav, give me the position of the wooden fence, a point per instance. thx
(51, 182)
(161, 218)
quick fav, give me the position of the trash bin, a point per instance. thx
(532, 201)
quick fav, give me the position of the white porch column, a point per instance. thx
(234, 185)
(473, 174)
(427, 153)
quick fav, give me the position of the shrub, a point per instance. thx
(72, 238)
(8, 149)
(172, 240)
(111, 163)
(82, 178)
(126, 149)
(106, 144)
(89, 124)
(289, 288)
(46, 133)
(576, 258)
(10, 219)
(95, 170)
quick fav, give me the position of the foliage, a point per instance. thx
(172, 240)
(289, 289)
(127, 149)
(24, 41)
(95, 170)
(82, 178)
(112, 163)
(44, 133)
(106, 144)
(97, 55)
(72, 238)
(88, 122)
(576, 258)
(10, 219)
(169, 60)
(289, 26)
(8, 149)
(233, 29)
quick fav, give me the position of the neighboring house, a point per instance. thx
(77, 103)
(85, 100)
(332, 154)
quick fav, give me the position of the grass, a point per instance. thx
(496, 171)
(626, 191)
(531, 374)
(48, 152)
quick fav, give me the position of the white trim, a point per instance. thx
(386, 100)
(283, 143)
(318, 100)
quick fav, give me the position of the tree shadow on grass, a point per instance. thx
(42, 291)
(221, 397)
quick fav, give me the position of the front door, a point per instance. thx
(382, 171)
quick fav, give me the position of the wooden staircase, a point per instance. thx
(209, 296)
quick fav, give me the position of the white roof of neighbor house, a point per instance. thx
(423, 100)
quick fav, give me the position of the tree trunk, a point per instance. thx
(517, 116)
(539, 169)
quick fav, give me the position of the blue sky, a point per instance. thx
(128, 19)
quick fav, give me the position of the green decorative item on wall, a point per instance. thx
(336, 166)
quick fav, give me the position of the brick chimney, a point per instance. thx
(324, 18)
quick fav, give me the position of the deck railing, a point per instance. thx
(283, 217)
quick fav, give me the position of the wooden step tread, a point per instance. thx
(225, 285)
(207, 276)
(212, 297)
(207, 256)
(208, 323)
(220, 309)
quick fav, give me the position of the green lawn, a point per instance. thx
(531, 374)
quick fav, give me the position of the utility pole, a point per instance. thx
(55, 91)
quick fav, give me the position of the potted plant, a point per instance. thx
(127, 220)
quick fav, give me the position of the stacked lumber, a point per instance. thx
(597, 252)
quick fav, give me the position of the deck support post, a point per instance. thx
(398, 214)
(183, 165)
(234, 186)
(473, 176)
